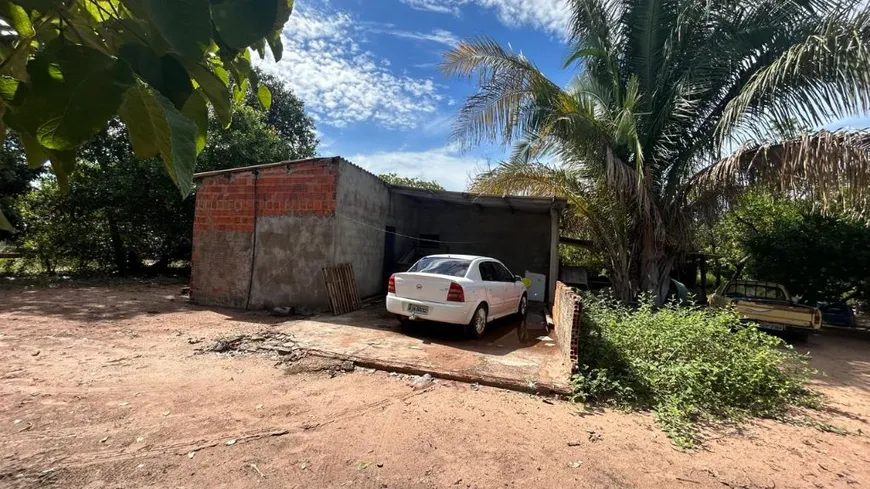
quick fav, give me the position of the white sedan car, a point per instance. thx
(457, 289)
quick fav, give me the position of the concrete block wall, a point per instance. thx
(363, 202)
(222, 240)
(295, 208)
(567, 314)
(520, 240)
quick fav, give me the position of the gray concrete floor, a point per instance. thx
(506, 356)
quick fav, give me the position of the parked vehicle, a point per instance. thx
(769, 305)
(838, 314)
(457, 289)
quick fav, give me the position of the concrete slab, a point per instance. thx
(513, 354)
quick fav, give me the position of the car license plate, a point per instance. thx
(772, 326)
(414, 308)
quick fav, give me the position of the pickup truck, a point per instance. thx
(769, 305)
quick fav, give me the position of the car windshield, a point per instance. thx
(453, 267)
(756, 291)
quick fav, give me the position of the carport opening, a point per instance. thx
(521, 232)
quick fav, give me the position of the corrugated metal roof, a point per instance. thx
(257, 167)
(511, 202)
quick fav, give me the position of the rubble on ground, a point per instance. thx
(280, 346)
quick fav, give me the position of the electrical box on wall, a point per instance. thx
(538, 287)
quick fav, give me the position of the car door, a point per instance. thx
(492, 287)
(510, 290)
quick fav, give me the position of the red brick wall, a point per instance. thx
(226, 202)
(567, 313)
(224, 220)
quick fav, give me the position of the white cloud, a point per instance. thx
(548, 15)
(340, 82)
(439, 6)
(437, 35)
(450, 168)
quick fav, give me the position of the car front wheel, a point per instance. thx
(477, 326)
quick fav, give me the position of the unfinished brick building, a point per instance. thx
(263, 234)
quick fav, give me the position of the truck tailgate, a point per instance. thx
(776, 313)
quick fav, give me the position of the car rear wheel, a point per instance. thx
(524, 306)
(477, 326)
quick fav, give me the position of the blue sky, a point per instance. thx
(367, 72)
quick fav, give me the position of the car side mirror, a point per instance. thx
(517, 278)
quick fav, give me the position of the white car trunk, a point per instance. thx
(423, 286)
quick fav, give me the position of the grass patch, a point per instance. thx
(691, 366)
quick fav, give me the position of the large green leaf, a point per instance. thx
(155, 125)
(285, 8)
(184, 24)
(72, 94)
(240, 90)
(8, 88)
(215, 88)
(264, 95)
(36, 155)
(276, 45)
(164, 73)
(62, 162)
(17, 17)
(241, 23)
(196, 109)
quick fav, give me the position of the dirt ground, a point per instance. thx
(102, 388)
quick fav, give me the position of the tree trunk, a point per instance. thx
(703, 262)
(620, 281)
(49, 267)
(120, 254)
(655, 267)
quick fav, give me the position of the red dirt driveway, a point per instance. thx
(102, 388)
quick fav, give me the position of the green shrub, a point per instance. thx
(691, 366)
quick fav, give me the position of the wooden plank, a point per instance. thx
(341, 287)
(355, 300)
(345, 293)
(330, 290)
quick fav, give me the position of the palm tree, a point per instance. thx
(669, 113)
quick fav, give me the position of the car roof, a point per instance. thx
(754, 282)
(463, 257)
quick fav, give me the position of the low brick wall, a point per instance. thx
(567, 312)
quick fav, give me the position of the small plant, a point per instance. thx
(691, 366)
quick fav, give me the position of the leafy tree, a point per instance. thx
(819, 257)
(120, 211)
(286, 115)
(394, 179)
(15, 179)
(68, 67)
(639, 141)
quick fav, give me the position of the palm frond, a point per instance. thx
(506, 82)
(826, 73)
(601, 210)
(832, 168)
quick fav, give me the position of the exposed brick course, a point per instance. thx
(567, 314)
(225, 206)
